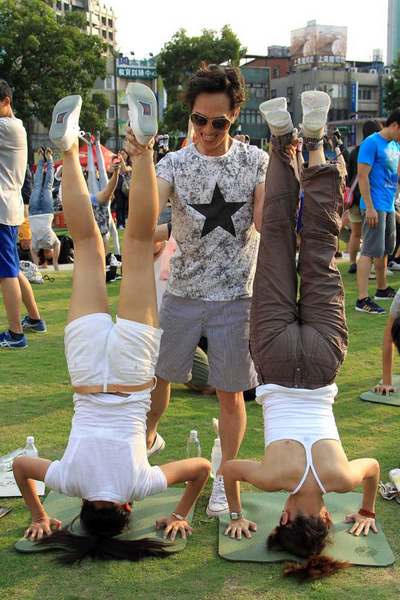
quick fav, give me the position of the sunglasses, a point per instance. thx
(220, 123)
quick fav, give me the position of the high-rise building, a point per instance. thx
(100, 18)
(393, 36)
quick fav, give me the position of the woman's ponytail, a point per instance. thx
(316, 567)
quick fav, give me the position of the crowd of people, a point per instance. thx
(254, 273)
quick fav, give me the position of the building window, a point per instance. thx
(276, 73)
(104, 34)
(306, 87)
(110, 23)
(273, 94)
(109, 83)
(104, 21)
(110, 35)
(111, 112)
(59, 5)
(66, 7)
(364, 93)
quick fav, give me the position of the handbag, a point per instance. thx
(348, 197)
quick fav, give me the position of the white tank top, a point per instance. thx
(305, 416)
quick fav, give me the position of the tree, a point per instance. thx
(44, 57)
(182, 56)
(392, 88)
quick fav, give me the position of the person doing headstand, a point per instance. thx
(298, 345)
(111, 366)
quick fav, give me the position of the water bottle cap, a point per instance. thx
(30, 439)
(193, 434)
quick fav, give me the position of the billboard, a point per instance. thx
(319, 44)
(136, 69)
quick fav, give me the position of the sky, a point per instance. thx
(265, 23)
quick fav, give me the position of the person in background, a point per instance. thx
(41, 210)
(378, 163)
(14, 285)
(355, 217)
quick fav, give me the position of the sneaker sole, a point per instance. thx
(315, 113)
(141, 100)
(69, 104)
(384, 298)
(29, 330)
(369, 312)
(13, 347)
(153, 452)
(215, 513)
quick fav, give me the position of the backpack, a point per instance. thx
(31, 271)
(66, 250)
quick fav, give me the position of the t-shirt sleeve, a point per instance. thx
(262, 167)
(395, 308)
(165, 169)
(151, 481)
(54, 477)
(367, 152)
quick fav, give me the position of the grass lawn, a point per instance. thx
(35, 399)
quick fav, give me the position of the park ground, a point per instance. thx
(35, 398)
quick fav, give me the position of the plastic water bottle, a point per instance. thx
(30, 448)
(216, 457)
(193, 448)
(6, 461)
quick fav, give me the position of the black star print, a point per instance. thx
(218, 213)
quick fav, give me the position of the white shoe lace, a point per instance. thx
(218, 495)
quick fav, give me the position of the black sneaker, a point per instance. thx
(367, 305)
(387, 294)
(352, 268)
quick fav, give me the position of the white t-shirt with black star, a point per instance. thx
(212, 220)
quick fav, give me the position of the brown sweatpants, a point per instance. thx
(298, 337)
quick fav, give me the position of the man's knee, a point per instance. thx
(230, 402)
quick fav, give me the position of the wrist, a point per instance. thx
(36, 515)
(364, 512)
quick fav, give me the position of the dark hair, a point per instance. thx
(5, 91)
(370, 127)
(305, 537)
(394, 117)
(102, 525)
(396, 333)
(213, 79)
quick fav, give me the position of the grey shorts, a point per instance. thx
(225, 324)
(379, 241)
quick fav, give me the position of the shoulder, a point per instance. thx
(12, 126)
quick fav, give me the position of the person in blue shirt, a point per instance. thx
(378, 163)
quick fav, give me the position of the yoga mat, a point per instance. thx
(144, 516)
(392, 399)
(266, 508)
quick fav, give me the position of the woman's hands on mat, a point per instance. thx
(241, 526)
(383, 389)
(361, 524)
(42, 526)
(172, 526)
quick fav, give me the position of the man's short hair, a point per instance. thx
(212, 79)
(5, 91)
(394, 117)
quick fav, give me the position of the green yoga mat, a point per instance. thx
(144, 515)
(266, 508)
(392, 400)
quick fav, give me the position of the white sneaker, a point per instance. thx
(315, 113)
(394, 266)
(114, 262)
(218, 504)
(158, 445)
(277, 116)
(64, 129)
(142, 112)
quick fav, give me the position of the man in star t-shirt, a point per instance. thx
(216, 187)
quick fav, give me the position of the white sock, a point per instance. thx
(276, 115)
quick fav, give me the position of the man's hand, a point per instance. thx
(42, 526)
(372, 217)
(383, 389)
(361, 524)
(236, 528)
(132, 146)
(172, 526)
